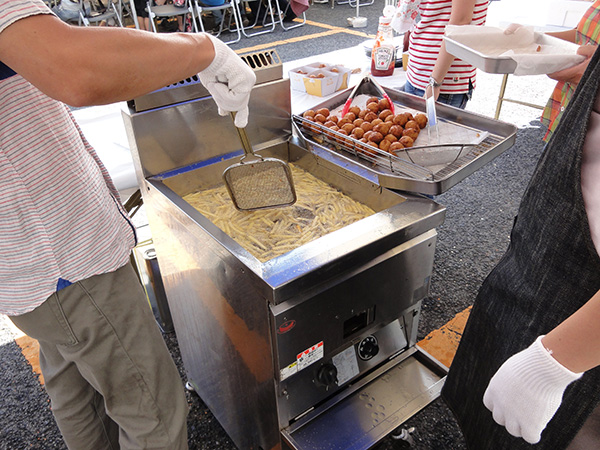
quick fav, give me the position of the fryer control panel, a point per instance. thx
(327, 341)
(328, 375)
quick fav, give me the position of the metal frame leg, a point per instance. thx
(233, 6)
(280, 15)
(272, 23)
(502, 98)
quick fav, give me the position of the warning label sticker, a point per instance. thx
(310, 355)
(288, 371)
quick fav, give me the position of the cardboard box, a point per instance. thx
(297, 77)
(344, 77)
(321, 83)
(319, 79)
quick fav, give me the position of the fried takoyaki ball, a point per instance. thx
(344, 141)
(367, 134)
(376, 122)
(362, 113)
(411, 133)
(323, 111)
(391, 138)
(333, 118)
(354, 109)
(373, 100)
(396, 130)
(385, 113)
(314, 126)
(383, 128)
(320, 118)
(342, 122)
(370, 146)
(383, 104)
(357, 133)
(339, 139)
(412, 124)
(389, 118)
(396, 146)
(400, 119)
(348, 127)
(370, 116)
(367, 126)
(409, 116)
(329, 123)
(332, 128)
(358, 122)
(350, 116)
(373, 107)
(406, 141)
(421, 120)
(375, 137)
(309, 114)
(385, 145)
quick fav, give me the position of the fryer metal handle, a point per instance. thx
(244, 139)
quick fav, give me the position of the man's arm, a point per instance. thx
(90, 66)
(565, 35)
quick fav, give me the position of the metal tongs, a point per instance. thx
(379, 89)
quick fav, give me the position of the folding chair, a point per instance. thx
(281, 15)
(127, 7)
(352, 3)
(231, 7)
(269, 27)
(99, 14)
(166, 11)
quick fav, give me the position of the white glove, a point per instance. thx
(526, 391)
(229, 80)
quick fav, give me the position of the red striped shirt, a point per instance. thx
(60, 214)
(425, 43)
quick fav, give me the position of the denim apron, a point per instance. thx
(551, 269)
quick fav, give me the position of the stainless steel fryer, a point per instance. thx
(316, 348)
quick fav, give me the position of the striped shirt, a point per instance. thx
(61, 219)
(426, 40)
(587, 32)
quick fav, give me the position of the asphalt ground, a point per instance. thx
(480, 211)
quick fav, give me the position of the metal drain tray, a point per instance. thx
(427, 169)
(374, 408)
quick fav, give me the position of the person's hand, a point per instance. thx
(574, 74)
(229, 80)
(526, 391)
(512, 28)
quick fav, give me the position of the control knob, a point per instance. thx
(327, 374)
(368, 348)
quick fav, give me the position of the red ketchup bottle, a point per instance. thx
(383, 55)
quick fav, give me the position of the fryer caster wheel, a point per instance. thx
(404, 435)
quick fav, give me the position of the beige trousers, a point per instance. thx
(110, 377)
